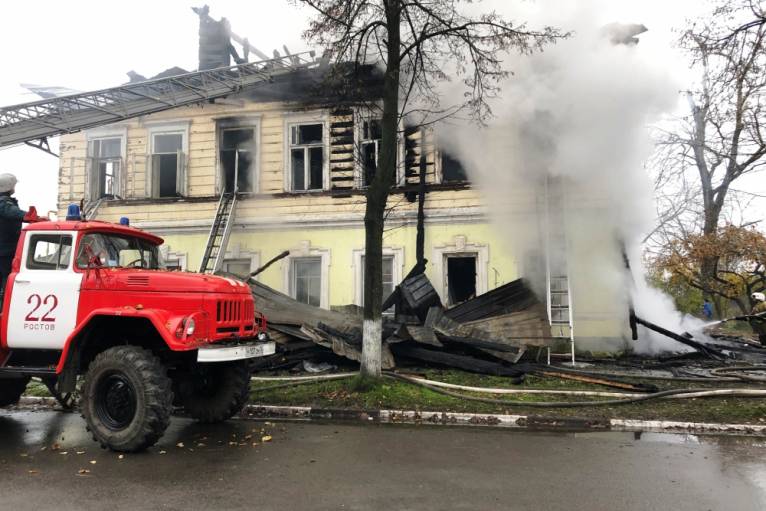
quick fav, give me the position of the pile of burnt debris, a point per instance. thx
(487, 334)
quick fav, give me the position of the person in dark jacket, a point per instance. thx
(11, 217)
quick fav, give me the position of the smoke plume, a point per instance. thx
(576, 116)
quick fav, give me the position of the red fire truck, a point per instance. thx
(87, 304)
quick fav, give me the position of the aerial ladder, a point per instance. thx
(32, 123)
(215, 250)
(36, 121)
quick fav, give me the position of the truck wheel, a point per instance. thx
(11, 390)
(126, 399)
(215, 392)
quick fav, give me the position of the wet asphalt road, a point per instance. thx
(43, 456)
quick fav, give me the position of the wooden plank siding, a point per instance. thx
(270, 199)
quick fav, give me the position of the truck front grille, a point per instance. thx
(231, 315)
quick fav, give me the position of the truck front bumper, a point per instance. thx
(227, 353)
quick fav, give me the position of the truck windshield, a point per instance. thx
(115, 251)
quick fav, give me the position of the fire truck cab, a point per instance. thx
(89, 309)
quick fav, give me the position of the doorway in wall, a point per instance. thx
(460, 277)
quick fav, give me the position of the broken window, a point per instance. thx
(238, 267)
(388, 280)
(106, 157)
(168, 178)
(237, 159)
(461, 278)
(306, 157)
(369, 148)
(306, 281)
(452, 169)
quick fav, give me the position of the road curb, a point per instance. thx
(525, 422)
(520, 422)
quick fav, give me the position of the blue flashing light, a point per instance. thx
(73, 212)
(125, 221)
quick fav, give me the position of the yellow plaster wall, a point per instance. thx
(342, 242)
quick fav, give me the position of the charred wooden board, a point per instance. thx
(474, 365)
(342, 347)
(282, 309)
(512, 297)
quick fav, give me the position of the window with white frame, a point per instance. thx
(388, 280)
(174, 264)
(172, 261)
(369, 148)
(238, 153)
(105, 155)
(306, 155)
(240, 267)
(167, 160)
(306, 280)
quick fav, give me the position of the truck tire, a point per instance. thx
(215, 392)
(126, 399)
(11, 390)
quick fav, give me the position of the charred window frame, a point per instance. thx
(105, 165)
(167, 171)
(238, 155)
(368, 147)
(451, 169)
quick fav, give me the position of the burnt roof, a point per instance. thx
(323, 85)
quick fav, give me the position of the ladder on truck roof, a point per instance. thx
(38, 120)
(215, 250)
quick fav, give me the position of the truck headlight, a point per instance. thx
(190, 326)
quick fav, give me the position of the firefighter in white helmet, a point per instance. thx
(11, 217)
(758, 316)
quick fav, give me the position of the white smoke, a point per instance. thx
(579, 111)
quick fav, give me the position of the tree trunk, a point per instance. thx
(377, 196)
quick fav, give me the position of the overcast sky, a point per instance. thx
(87, 45)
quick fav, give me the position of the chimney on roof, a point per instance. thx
(214, 40)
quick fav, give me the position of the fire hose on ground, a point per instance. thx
(442, 388)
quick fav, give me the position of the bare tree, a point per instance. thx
(743, 16)
(723, 137)
(419, 44)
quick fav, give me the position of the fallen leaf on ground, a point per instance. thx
(266, 438)
(92, 462)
